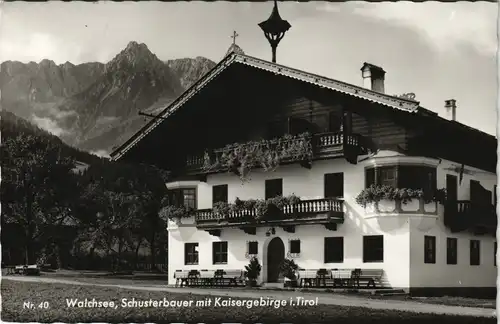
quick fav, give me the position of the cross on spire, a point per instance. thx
(234, 37)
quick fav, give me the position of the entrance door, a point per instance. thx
(275, 256)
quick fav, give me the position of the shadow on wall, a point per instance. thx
(372, 225)
(388, 223)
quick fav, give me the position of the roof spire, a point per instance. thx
(274, 29)
(235, 34)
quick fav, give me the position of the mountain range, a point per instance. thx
(94, 106)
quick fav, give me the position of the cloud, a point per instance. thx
(101, 153)
(36, 47)
(446, 26)
(48, 124)
(329, 7)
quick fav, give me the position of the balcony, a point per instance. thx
(328, 212)
(322, 146)
(465, 215)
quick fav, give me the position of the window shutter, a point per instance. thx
(326, 249)
(295, 246)
(334, 185)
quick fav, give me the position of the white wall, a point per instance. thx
(462, 274)
(399, 254)
(307, 184)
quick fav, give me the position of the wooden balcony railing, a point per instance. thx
(327, 140)
(327, 209)
(463, 206)
(324, 145)
(464, 214)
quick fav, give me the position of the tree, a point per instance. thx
(119, 207)
(153, 192)
(38, 187)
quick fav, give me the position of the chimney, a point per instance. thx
(451, 109)
(373, 77)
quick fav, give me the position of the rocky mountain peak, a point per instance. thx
(47, 63)
(136, 56)
(133, 46)
(190, 70)
(68, 65)
(94, 105)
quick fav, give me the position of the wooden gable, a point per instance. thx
(244, 103)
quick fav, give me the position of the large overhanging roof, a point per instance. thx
(407, 105)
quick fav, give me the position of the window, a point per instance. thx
(429, 249)
(219, 194)
(191, 253)
(183, 197)
(253, 248)
(387, 177)
(451, 250)
(295, 246)
(495, 254)
(373, 248)
(274, 188)
(474, 252)
(334, 185)
(189, 197)
(334, 249)
(219, 252)
(403, 176)
(370, 177)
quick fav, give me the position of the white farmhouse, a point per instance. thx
(251, 130)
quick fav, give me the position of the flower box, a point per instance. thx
(386, 206)
(412, 205)
(430, 207)
(371, 208)
(175, 213)
(240, 158)
(388, 200)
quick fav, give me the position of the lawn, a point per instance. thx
(50, 304)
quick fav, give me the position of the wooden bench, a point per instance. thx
(359, 278)
(342, 277)
(32, 270)
(28, 270)
(307, 277)
(323, 278)
(10, 269)
(372, 277)
(315, 277)
(185, 277)
(229, 277)
(207, 277)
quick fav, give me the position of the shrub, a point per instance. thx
(252, 270)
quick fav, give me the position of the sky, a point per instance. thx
(438, 51)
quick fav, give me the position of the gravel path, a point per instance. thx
(341, 300)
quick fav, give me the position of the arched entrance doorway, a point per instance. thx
(275, 256)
